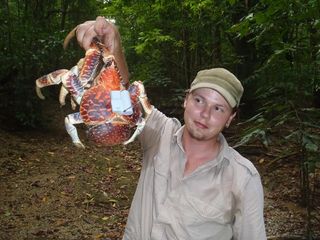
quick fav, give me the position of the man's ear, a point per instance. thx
(230, 119)
(185, 100)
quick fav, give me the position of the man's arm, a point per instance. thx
(249, 221)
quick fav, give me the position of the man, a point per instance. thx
(192, 185)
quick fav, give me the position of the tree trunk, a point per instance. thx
(64, 10)
(216, 54)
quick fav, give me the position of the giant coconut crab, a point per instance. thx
(93, 83)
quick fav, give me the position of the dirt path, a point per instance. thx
(51, 190)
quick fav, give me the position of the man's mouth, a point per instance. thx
(200, 125)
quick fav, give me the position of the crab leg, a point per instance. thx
(91, 65)
(74, 86)
(147, 108)
(53, 78)
(70, 120)
(140, 126)
(62, 96)
(143, 99)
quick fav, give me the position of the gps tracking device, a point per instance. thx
(121, 102)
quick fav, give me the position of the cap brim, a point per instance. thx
(229, 98)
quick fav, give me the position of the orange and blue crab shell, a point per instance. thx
(90, 67)
(112, 128)
(90, 83)
(95, 106)
(104, 126)
(108, 134)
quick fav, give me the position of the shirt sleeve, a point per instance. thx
(249, 220)
(153, 128)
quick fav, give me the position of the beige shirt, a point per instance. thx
(220, 200)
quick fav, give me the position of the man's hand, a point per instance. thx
(109, 35)
(101, 28)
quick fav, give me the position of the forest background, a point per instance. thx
(272, 46)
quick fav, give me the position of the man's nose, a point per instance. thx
(205, 112)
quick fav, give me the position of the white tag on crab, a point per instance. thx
(121, 102)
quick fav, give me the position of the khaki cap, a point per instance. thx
(222, 81)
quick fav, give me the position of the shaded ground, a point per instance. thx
(51, 190)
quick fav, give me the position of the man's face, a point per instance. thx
(206, 114)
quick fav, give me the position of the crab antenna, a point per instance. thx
(70, 35)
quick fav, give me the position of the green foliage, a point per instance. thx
(167, 42)
(286, 79)
(284, 34)
(294, 127)
(297, 125)
(31, 46)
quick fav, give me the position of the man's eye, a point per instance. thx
(198, 100)
(219, 109)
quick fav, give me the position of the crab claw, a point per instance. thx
(53, 78)
(68, 38)
(147, 107)
(140, 126)
(62, 96)
(39, 93)
(73, 104)
(69, 121)
(79, 145)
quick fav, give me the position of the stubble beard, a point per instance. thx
(198, 134)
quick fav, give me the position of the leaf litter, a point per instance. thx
(52, 190)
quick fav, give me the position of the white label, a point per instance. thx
(121, 102)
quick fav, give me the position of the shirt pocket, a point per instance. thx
(199, 212)
(201, 220)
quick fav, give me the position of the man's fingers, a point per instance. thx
(87, 37)
(106, 32)
(100, 28)
(83, 32)
(100, 25)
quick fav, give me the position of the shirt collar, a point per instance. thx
(178, 137)
(223, 154)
